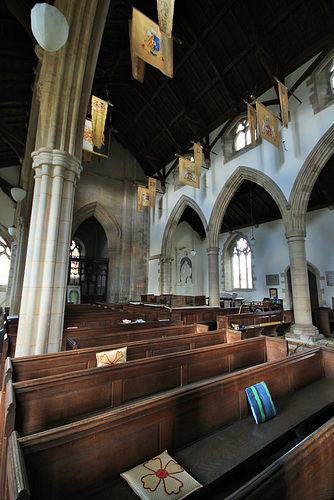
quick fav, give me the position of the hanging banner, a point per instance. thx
(137, 64)
(152, 186)
(198, 154)
(187, 173)
(267, 124)
(88, 145)
(283, 98)
(252, 123)
(165, 16)
(150, 44)
(99, 114)
(143, 198)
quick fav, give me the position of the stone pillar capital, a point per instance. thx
(295, 236)
(213, 250)
(55, 162)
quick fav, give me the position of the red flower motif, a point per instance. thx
(164, 474)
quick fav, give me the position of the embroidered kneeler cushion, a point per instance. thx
(108, 358)
(161, 478)
(260, 402)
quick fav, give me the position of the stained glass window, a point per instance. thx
(242, 264)
(74, 256)
(4, 261)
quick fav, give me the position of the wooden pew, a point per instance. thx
(45, 365)
(250, 319)
(130, 327)
(98, 318)
(198, 425)
(294, 475)
(93, 340)
(49, 401)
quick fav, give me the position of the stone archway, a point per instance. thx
(113, 233)
(223, 199)
(166, 254)
(306, 178)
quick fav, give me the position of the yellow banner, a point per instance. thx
(150, 44)
(187, 173)
(143, 198)
(198, 154)
(137, 64)
(252, 123)
(165, 16)
(152, 186)
(99, 114)
(283, 98)
(267, 124)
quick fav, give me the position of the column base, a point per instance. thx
(302, 337)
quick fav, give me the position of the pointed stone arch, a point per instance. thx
(113, 233)
(307, 177)
(173, 221)
(105, 218)
(228, 191)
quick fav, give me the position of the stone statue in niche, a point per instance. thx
(186, 271)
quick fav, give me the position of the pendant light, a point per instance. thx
(49, 26)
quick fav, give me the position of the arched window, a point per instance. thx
(74, 259)
(4, 261)
(331, 77)
(242, 264)
(242, 137)
(237, 140)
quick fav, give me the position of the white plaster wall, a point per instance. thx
(282, 165)
(7, 211)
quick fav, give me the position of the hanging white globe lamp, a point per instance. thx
(49, 26)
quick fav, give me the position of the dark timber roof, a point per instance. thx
(224, 52)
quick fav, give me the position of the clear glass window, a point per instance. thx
(242, 264)
(4, 261)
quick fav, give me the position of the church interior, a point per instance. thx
(166, 272)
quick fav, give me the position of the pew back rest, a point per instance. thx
(49, 401)
(169, 421)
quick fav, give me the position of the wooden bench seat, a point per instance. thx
(83, 460)
(294, 475)
(248, 319)
(49, 401)
(119, 328)
(92, 339)
(45, 365)
(270, 329)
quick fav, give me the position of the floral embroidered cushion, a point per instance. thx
(108, 358)
(260, 402)
(161, 478)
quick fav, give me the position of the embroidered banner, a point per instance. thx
(165, 16)
(99, 114)
(143, 198)
(252, 123)
(150, 44)
(283, 98)
(198, 154)
(88, 145)
(187, 173)
(267, 124)
(137, 64)
(152, 186)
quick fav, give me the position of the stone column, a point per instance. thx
(303, 329)
(46, 273)
(213, 269)
(165, 275)
(22, 241)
